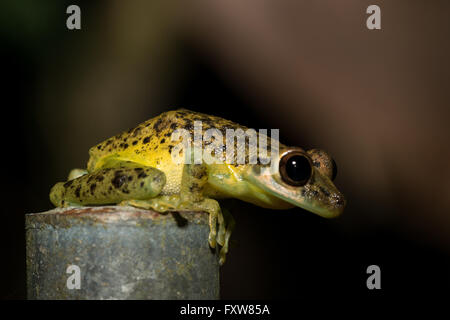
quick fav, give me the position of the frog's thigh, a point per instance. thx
(109, 186)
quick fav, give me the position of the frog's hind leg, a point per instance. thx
(109, 186)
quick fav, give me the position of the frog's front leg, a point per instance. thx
(191, 198)
(178, 203)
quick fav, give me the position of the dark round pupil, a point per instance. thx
(298, 168)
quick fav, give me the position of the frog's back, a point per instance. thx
(150, 143)
(153, 136)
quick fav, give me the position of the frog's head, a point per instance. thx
(303, 179)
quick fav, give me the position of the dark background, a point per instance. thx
(377, 100)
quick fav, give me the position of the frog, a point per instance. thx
(137, 168)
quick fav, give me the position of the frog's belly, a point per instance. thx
(173, 179)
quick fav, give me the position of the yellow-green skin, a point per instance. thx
(136, 168)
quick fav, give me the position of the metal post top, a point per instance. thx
(120, 253)
(65, 217)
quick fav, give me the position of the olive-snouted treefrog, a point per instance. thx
(136, 168)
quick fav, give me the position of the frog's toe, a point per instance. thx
(212, 235)
(222, 229)
(222, 257)
(229, 230)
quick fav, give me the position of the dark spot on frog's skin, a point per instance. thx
(163, 140)
(125, 145)
(110, 188)
(146, 140)
(197, 171)
(181, 114)
(170, 148)
(99, 147)
(142, 184)
(68, 183)
(194, 187)
(119, 180)
(173, 126)
(93, 186)
(130, 178)
(126, 191)
(138, 170)
(158, 125)
(135, 142)
(316, 164)
(99, 178)
(188, 125)
(142, 175)
(136, 131)
(77, 192)
(324, 191)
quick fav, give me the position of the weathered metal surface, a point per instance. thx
(122, 253)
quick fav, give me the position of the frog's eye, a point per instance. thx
(334, 172)
(295, 168)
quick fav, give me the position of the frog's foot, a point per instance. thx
(230, 224)
(211, 206)
(223, 219)
(215, 215)
(76, 173)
